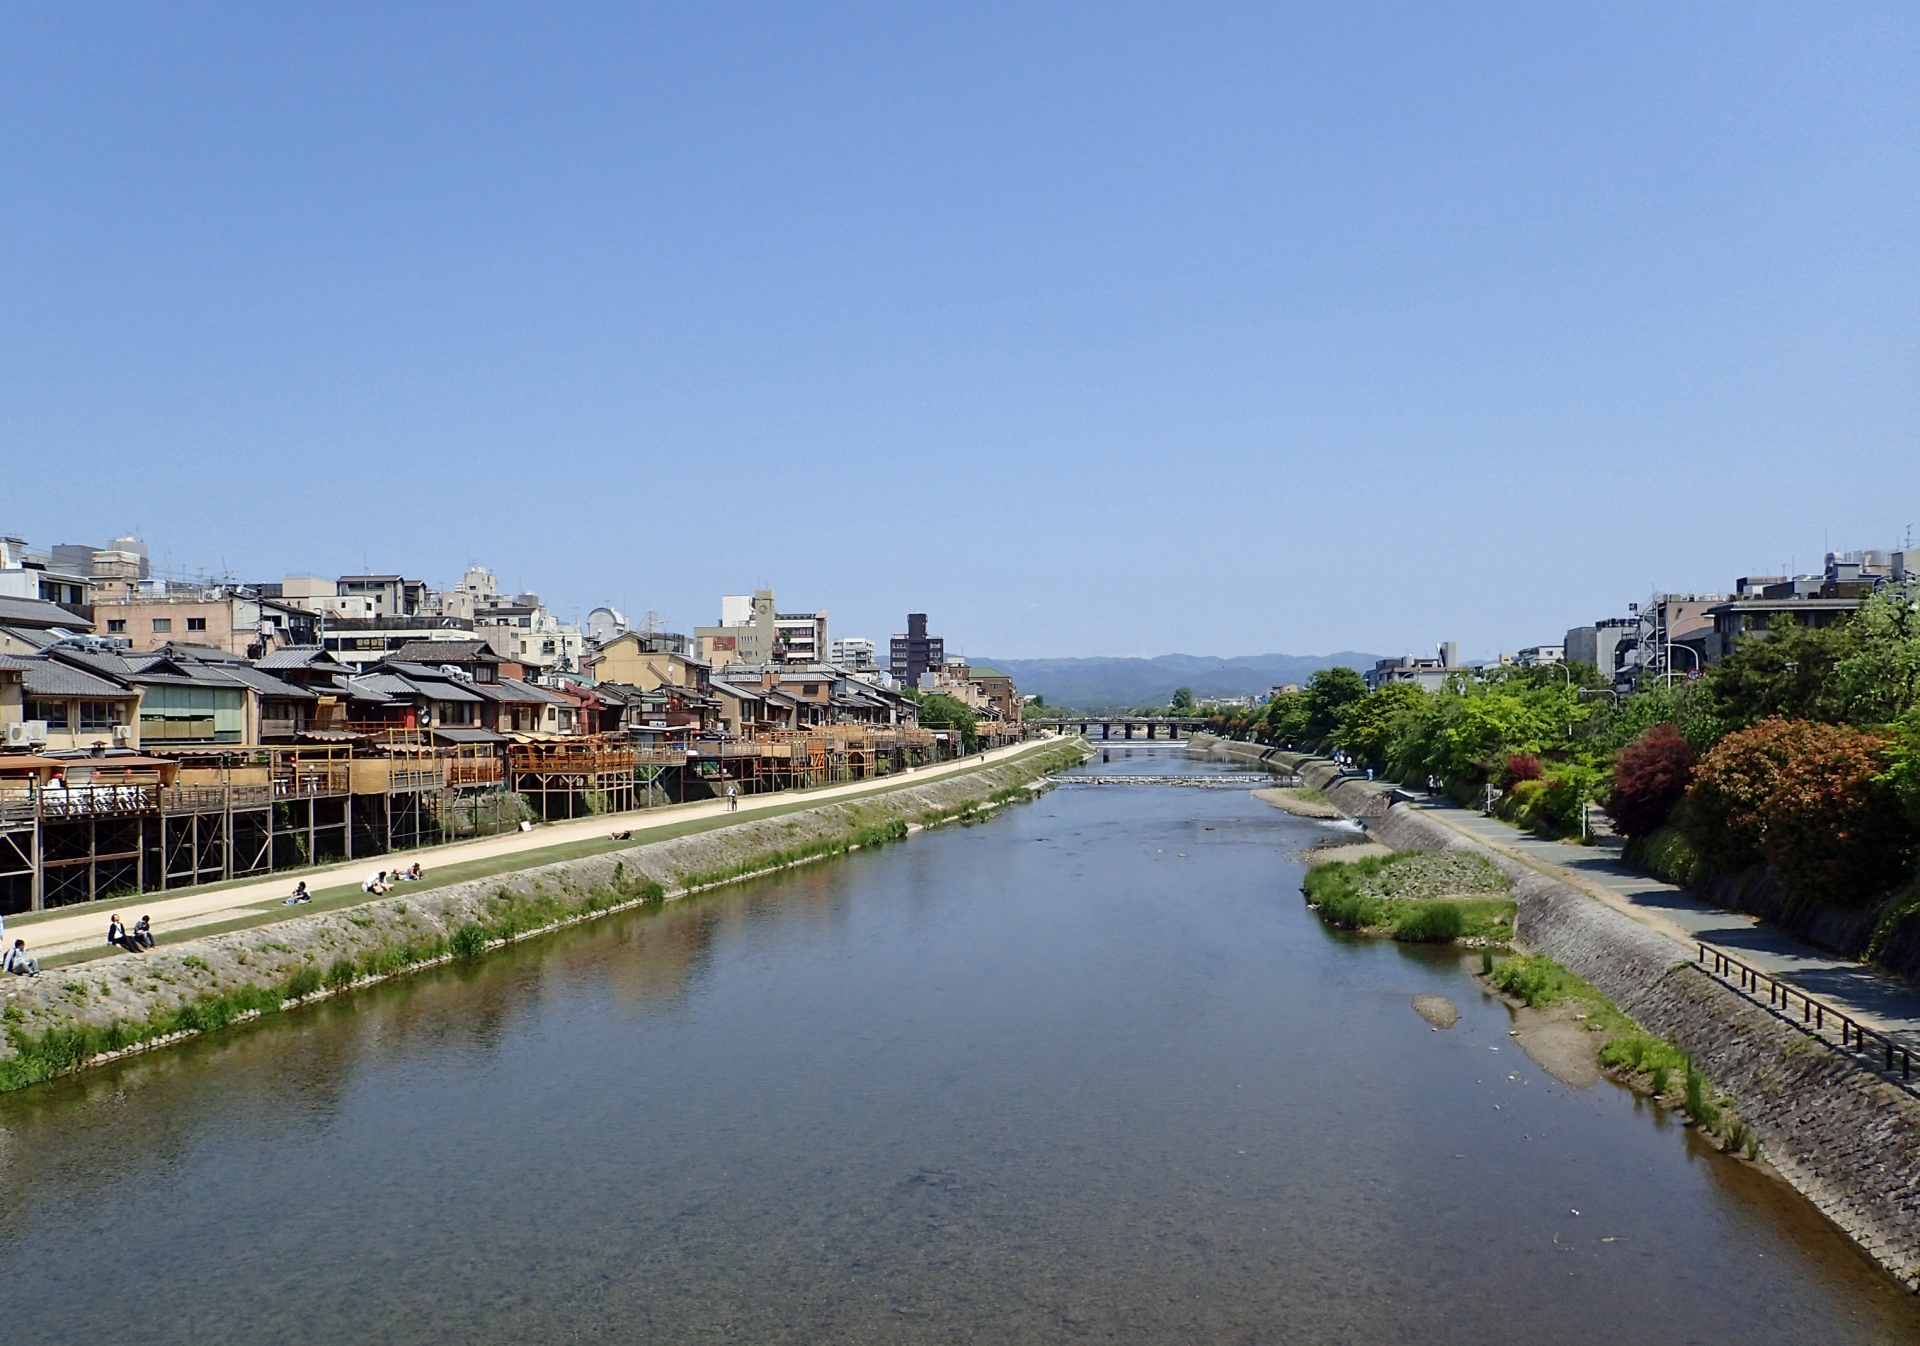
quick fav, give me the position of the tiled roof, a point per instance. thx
(45, 677)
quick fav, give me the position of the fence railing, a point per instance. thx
(1814, 1012)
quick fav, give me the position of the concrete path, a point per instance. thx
(1876, 998)
(63, 930)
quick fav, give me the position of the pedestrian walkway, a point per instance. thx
(1874, 997)
(68, 930)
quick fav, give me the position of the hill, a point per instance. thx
(1104, 683)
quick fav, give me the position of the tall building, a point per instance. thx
(751, 632)
(915, 652)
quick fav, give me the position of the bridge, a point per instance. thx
(1153, 724)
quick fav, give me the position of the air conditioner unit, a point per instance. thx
(123, 733)
(26, 734)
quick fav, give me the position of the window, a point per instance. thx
(116, 626)
(99, 715)
(53, 712)
(196, 623)
(546, 647)
(163, 626)
(525, 621)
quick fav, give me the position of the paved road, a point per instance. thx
(1876, 998)
(61, 931)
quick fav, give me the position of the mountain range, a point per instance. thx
(1112, 683)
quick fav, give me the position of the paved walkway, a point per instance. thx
(1873, 997)
(65, 930)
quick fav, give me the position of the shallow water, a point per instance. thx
(1089, 1069)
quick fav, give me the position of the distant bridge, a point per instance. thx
(1153, 724)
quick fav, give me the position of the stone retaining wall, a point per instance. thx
(133, 990)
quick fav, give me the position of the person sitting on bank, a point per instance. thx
(143, 932)
(19, 962)
(414, 873)
(376, 884)
(300, 894)
(118, 937)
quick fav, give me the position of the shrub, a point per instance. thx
(303, 983)
(1810, 799)
(1429, 923)
(1522, 767)
(340, 976)
(1650, 777)
(469, 941)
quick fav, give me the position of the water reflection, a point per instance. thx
(1088, 1069)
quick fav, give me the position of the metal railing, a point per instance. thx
(1814, 1012)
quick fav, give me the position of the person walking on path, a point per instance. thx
(733, 797)
(19, 962)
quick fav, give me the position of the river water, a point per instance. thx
(1087, 1070)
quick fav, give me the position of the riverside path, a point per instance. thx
(65, 933)
(1871, 995)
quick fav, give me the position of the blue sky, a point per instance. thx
(1094, 329)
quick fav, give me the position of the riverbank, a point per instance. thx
(1846, 1137)
(74, 1017)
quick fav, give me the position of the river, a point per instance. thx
(1089, 1069)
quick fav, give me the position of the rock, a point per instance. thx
(1436, 1010)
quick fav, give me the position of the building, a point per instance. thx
(916, 652)
(221, 616)
(50, 705)
(752, 632)
(633, 660)
(29, 625)
(1600, 645)
(856, 653)
(1427, 674)
(1539, 656)
(1849, 579)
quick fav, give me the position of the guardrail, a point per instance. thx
(1813, 1011)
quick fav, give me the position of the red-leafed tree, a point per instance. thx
(1650, 776)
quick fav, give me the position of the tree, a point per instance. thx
(947, 712)
(1879, 676)
(1650, 777)
(1327, 695)
(1183, 702)
(1368, 725)
(1788, 673)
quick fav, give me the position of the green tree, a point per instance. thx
(951, 713)
(1879, 676)
(1326, 697)
(1368, 726)
(1787, 673)
(1183, 702)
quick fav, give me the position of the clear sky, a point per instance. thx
(1094, 329)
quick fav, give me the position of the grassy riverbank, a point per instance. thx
(72, 1017)
(1417, 897)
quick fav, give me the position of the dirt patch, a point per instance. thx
(1292, 801)
(1559, 1043)
(1359, 850)
(1436, 1010)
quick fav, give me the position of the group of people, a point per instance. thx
(384, 881)
(137, 940)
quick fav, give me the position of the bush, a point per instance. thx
(1650, 777)
(303, 983)
(1429, 923)
(469, 941)
(1812, 800)
(1522, 767)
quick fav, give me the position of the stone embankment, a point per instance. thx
(1840, 1133)
(72, 1017)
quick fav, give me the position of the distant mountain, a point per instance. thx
(1096, 684)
